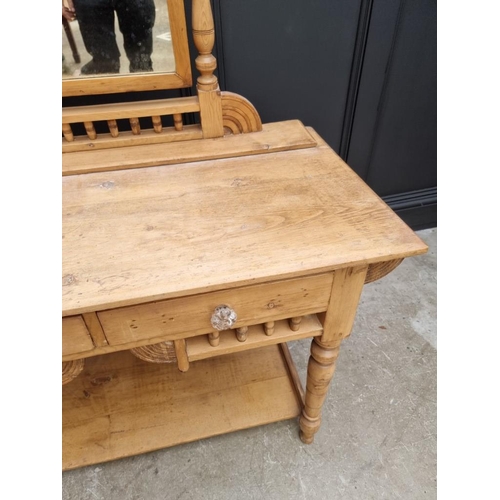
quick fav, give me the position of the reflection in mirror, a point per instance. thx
(115, 37)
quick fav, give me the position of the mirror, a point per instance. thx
(111, 46)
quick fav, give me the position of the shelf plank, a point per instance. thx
(121, 406)
(100, 155)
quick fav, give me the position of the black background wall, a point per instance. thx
(362, 73)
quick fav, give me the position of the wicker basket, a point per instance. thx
(163, 352)
(71, 370)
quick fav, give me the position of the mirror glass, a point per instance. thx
(116, 37)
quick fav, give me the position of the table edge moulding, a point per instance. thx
(192, 254)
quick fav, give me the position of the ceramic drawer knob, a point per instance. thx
(223, 317)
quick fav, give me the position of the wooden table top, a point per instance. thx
(139, 235)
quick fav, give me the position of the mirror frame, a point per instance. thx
(181, 78)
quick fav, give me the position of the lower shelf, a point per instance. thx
(121, 406)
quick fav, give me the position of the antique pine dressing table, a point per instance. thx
(192, 254)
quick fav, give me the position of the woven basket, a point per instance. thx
(71, 370)
(381, 269)
(164, 352)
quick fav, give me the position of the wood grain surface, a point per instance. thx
(189, 316)
(274, 137)
(121, 406)
(140, 235)
(75, 336)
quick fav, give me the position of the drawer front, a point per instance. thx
(75, 336)
(189, 316)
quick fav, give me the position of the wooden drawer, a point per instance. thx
(75, 336)
(189, 316)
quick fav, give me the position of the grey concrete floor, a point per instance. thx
(378, 436)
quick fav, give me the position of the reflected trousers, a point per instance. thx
(96, 19)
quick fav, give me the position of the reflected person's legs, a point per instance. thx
(136, 19)
(96, 19)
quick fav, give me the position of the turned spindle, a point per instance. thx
(67, 132)
(113, 128)
(242, 333)
(181, 354)
(214, 338)
(209, 95)
(178, 121)
(294, 323)
(135, 126)
(89, 128)
(269, 328)
(156, 124)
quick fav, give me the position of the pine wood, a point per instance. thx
(135, 125)
(207, 85)
(157, 125)
(67, 132)
(337, 323)
(178, 121)
(219, 111)
(320, 370)
(295, 214)
(294, 374)
(71, 370)
(189, 316)
(381, 269)
(89, 128)
(275, 137)
(134, 82)
(269, 328)
(214, 338)
(113, 128)
(161, 225)
(295, 323)
(122, 142)
(121, 110)
(75, 336)
(211, 114)
(121, 406)
(95, 329)
(199, 348)
(181, 354)
(242, 333)
(238, 114)
(346, 291)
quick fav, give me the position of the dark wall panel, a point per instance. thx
(290, 59)
(393, 143)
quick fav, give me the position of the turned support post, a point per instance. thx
(320, 370)
(337, 323)
(207, 85)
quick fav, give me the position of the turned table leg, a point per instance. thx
(319, 374)
(337, 324)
